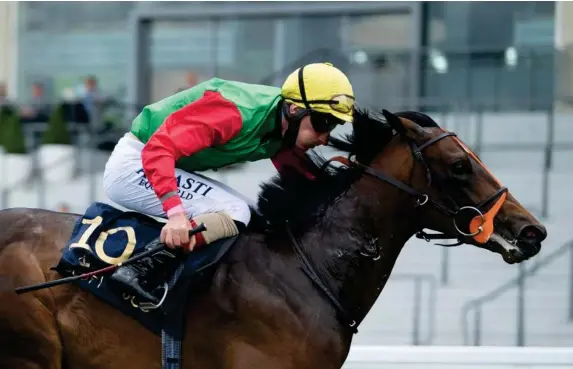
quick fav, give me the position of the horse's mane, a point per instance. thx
(299, 200)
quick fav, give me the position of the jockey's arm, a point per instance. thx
(209, 121)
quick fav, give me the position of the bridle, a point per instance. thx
(480, 227)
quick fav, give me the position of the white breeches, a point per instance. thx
(125, 184)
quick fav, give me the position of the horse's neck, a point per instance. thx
(356, 245)
(276, 292)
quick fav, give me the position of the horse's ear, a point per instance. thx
(394, 121)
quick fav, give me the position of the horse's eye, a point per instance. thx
(461, 168)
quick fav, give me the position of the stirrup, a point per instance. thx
(147, 306)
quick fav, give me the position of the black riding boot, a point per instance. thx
(144, 276)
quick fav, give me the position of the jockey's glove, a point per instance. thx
(219, 226)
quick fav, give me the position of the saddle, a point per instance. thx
(105, 235)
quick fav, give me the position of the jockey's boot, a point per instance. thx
(144, 276)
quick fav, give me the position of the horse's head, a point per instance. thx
(454, 191)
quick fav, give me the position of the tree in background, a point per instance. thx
(57, 132)
(11, 132)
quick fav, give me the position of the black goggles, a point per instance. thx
(323, 122)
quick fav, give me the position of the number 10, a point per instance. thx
(99, 245)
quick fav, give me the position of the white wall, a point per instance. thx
(563, 24)
(564, 43)
(9, 46)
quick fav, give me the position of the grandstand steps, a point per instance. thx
(545, 313)
(473, 273)
(394, 311)
(493, 338)
(551, 339)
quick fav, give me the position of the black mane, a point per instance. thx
(299, 200)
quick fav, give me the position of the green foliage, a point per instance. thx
(5, 114)
(57, 132)
(11, 132)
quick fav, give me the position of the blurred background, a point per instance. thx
(74, 74)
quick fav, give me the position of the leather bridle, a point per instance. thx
(481, 225)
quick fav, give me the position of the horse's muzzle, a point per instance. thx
(532, 233)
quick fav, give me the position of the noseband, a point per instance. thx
(481, 225)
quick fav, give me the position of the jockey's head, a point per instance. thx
(318, 97)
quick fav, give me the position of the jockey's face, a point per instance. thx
(307, 137)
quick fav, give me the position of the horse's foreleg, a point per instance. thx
(29, 336)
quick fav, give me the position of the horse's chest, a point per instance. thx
(278, 354)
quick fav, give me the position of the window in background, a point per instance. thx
(301, 40)
(62, 42)
(71, 16)
(379, 48)
(495, 56)
(183, 53)
(247, 49)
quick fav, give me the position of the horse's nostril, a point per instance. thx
(532, 233)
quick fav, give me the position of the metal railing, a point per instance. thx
(84, 140)
(518, 282)
(37, 175)
(418, 281)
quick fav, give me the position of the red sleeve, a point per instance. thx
(209, 121)
(294, 159)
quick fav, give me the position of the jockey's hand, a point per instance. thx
(176, 232)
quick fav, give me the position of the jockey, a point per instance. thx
(153, 168)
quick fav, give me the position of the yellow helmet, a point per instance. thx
(320, 87)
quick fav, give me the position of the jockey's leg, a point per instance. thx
(125, 184)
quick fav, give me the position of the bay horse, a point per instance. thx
(298, 282)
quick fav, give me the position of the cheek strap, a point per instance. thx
(294, 120)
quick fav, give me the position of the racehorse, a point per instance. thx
(292, 290)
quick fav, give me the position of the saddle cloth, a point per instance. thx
(105, 235)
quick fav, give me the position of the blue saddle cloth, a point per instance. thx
(105, 236)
